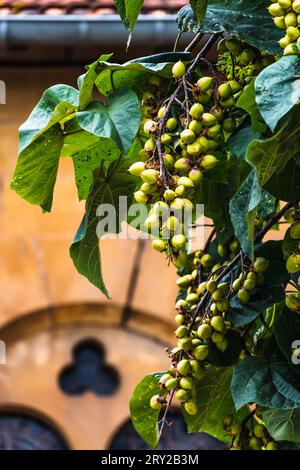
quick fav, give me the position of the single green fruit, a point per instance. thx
(150, 176)
(161, 112)
(234, 246)
(234, 46)
(293, 32)
(183, 367)
(195, 126)
(155, 402)
(194, 149)
(149, 188)
(209, 162)
(140, 197)
(276, 10)
(207, 260)
(235, 86)
(185, 344)
(160, 208)
(182, 304)
(296, 6)
(229, 125)
(218, 324)
(179, 319)
(293, 302)
(159, 245)
(208, 120)
(171, 124)
(168, 161)
(196, 176)
(284, 42)
(178, 69)
(201, 352)
(152, 222)
(185, 181)
(293, 263)
(203, 98)
(290, 19)
(217, 337)
(291, 49)
(191, 407)
(197, 371)
(261, 265)
(236, 285)
(187, 136)
(211, 286)
(150, 127)
(192, 298)
(258, 430)
(295, 231)
(285, 3)
(205, 83)
(228, 104)
(243, 296)
(280, 22)
(181, 331)
(222, 250)
(217, 295)
(255, 443)
(196, 111)
(180, 190)
(203, 141)
(184, 281)
(137, 168)
(214, 131)
(171, 384)
(169, 195)
(271, 446)
(182, 395)
(225, 91)
(249, 284)
(166, 139)
(186, 383)
(204, 331)
(179, 260)
(222, 345)
(223, 305)
(172, 223)
(149, 145)
(164, 378)
(235, 429)
(177, 205)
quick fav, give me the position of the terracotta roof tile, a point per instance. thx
(85, 7)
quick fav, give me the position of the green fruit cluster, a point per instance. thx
(293, 261)
(249, 435)
(286, 14)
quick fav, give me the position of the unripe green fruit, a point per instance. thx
(180, 190)
(249, 284)
(159, 245)
(186, 383)
(293, 302)
(217, 337)
(285, 3)
(203, 143)
(284, 42)
(185, 181)
(185, 344)
(252, 275)
(149, 145)
(201, 352)
(155, 402)
(150, 176)
(246, 57)
(182, 395)
(235, 86)
(164, 378)
(222, 250)
(271, 446)
(209, 162)
(291, 49)
(181, 331)
(208, 119)
(295, 231)
(161, 112)
(184, 281)
(171, 384)
(280, 22)
(187, 136)
(173, 223)
(140, 197)
(243, 296)
(290, 19)
(205, 83)
(178, 69)
(169, 195)
(255, 443)
(191, 407)
(293, 263)
(177, 205)
(171, 124)
(152, 222)
(137, 168)
(195, 126)
(259, 430)
(222, 345)
(218, 324)
(182, 304)
(150, 126)
(214, 131)
(202, 286)
(197, 111)
(160, 208)
(223, 305)
(166, 139)
(204, 331)
(276, 10)
(296, 6)
(192, 299)
(293, 33)
(235, 429)
(179, 319)
(261, 265)
(229, 103)
(211, 286)
(194, 149)
(197, 371)
(203, 98)
(168, 161)
(196, 176)
(183, 367)
(207, 260)
(149, 188)
(234, 246)
(234, 46)
(143, 155)
(225, 90)
(236, 285)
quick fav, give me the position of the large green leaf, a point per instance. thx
(239, 140)
(129, 11)
(56, 104)
(214, 403)
(285, 185)
(270, 156)
(230, 355)
(119, 118)
(278, 89)
(87, 81)
(287, 331)
(250, 20)
(144, 418)
(270, 384)
(243, 210)
(199, 8)
(247, 102)
(107, 187)
(283, 425)
(35, 174)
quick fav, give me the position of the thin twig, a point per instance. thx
(194, 42)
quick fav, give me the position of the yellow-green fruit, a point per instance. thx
(203, 143)
(196, 176)
(209, 119)
(152, 222)
(140, 197)
(185, 344)
(179, 319)
(150, 176)
(284, 42)
(194, 149)
(168, 161)
(290, 19)
(155, 402)
(197, 111)
(229, 103)
(178, 241)
(169, 195)
(285, 3)
(184, 281)
(185, 181)
(246, 57)
(261, 265)
(229, 125)
(166, 139)
(234, 246)
(276, 10)
(179, 260)
(164, 378)
(201, 352)
(204, 331)
(214, 131)
(171, 384)
(178, 69)
(217, 337)
(182, 395)
(249, 284)
(218, 324)
(293, 33)
(203, 98)
(207, 260)
(293, 263)
(222, 250)
(137, 168)
(180, 190)
(271, 446)
(296, 6)
(236, 285)
(222, 345)
(160, 208)
(211, 286)
(149, 145)
(149, 188)
(255, 443)
(280, 22)
(235, 429)
(187, 136)
(197, 371)
(150, 126)
(235, 86)
(205, 83)
(186, 383)
(223, 305)
(143, 155)
(234, 46)
(171, 124)
(182, 304)
(183, 367)
(177, 205)
(293, 302)
(195, 126)
(172, 223)
(192, 298)
(161, 112)
(243, 296)
(259, 430)
(295, 231)
(209, 162)
(291, 49)
(191, 407)
(182, 165)
(225, 90)
(159, 245)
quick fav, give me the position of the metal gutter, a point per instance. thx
(84, 31)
